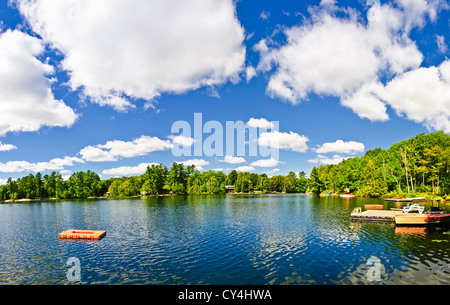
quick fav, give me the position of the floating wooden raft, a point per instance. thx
(377, 215)
(82, 234)
(373, 207)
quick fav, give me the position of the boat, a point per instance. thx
(424, 219)
(326, 194)
(82, 234)
(347, 195)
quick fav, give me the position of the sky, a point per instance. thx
(104, 85)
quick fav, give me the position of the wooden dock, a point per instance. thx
(376, 215)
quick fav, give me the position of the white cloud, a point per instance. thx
(250, 72)
(366, 104)
(264, 15)
(26, 100)
(118, 51)
(128, 170)
(336, 159)
(422, 95)
(199, 163)
(314, 161)
(7, 147)
(182, 140)
(95, 154)
(341, 147)
(266, 163)
(442, 46)
(417, 11)
(112, 150)
(333, 53)
(245, 169)
(275, 170)
(260, 123)
(282, 140)
(24, 166)
(233, 160)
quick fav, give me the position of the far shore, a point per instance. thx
(24, 200)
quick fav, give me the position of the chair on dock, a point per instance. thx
(413, 208)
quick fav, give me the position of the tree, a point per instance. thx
(231, 178)
(291, 183)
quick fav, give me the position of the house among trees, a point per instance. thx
(230, 188)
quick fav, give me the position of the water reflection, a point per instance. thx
(230, 239)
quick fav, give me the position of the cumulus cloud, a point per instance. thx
(113, 150)
(283, 140)
(333, 53)
(7, 147)
(24, 166)
(442, 46)
(250, 72)
(95, 154)
(266, 163)
(340, 147)
(182, 140)
(260, 123)
(245, 169)
(336, 159)
(422, 95)
(118, 51)
(26, 99)
(233, 160)
(199, 163)
(128, 170)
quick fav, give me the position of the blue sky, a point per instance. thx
(98, 85)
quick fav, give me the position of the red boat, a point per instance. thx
(422, 219)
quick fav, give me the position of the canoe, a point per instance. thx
(82, 234)
(422, 219)
(373, 206)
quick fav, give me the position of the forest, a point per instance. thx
(410, 167)
(414, 166)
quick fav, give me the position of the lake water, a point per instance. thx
(230, 239)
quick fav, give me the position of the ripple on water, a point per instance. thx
(267, 239)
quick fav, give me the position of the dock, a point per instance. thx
(376, 215)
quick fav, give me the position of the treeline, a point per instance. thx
(417, 165)
(79, 185)
(157, 180)
(181, 180)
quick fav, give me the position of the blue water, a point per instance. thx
(247, 239)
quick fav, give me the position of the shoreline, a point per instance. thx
(24, 200)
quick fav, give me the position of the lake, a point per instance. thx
(229, 239)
